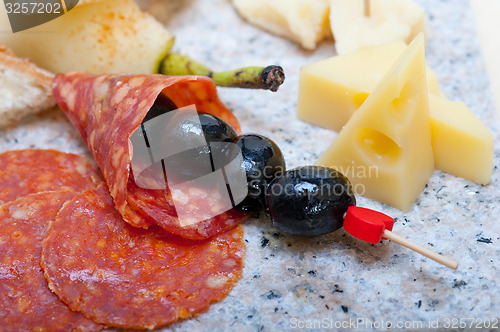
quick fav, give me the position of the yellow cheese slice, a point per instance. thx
(462, 145)
(332, 90)
(385, 149)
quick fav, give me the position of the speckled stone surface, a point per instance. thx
(336, 280)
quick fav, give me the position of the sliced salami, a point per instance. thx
(157, 205)
(24, 172)
(108, 109)
(27, 303)
(129, 277)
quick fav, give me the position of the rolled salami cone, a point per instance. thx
(108, 109)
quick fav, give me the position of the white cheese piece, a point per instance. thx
(303, 21)
(389, 20)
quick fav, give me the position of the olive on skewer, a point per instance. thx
(314, 200)
(262, 161)
(309, 200)
(324, 202)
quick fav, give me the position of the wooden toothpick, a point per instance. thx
(421, 250)
(367, 8)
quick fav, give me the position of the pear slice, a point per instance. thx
(385, 148)
(112, 36)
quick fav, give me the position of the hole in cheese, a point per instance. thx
(360, 98)
(403, 107)
(376, 146)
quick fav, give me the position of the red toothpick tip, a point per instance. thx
(373, 226)
(367, 225)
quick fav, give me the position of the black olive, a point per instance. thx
(310, 200)
(184, 129)
(262, 161)
(215, 129)
(199, 149)
(143, 140)
(162, 105)
(183, 146)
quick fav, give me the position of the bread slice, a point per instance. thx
(24, 88)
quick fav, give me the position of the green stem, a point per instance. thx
(168, 47)
(267, 78)
(177, 64)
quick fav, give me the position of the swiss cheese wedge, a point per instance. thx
(462, 144)
(331, 91)
(385, 149)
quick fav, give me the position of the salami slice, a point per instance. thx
(157, 205)
(108, 109)
(31, 171)
(27, 303)
(129, 277)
